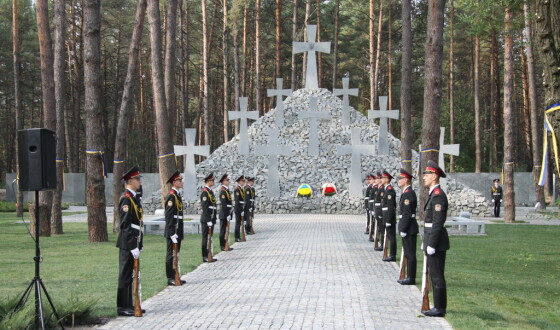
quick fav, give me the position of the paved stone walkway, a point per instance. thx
(298, 271)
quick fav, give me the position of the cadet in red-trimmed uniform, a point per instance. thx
(226, 210)
(389, 208)
(408, 227)
(208, 218)
(173, 224)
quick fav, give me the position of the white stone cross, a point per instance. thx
(449, 149)
(279, 93)
(273, 150)
(243, 115)
(311, 47)
(345, 91)
(383, 114)
(190, 150)
(357, 149)
(314, 115)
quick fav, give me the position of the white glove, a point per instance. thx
(500, 200)
(422, 246)
(430, 250)
(403, 235)
(243, 213)
(228, 218)
(388, 224)
(209, 223)
(250, 210)
(372, 213)
(174, 238)
(135, 253)
(492, 201)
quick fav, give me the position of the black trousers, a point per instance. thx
(238, 225)
(248, 222)
(380, 224)
(368, 221)
(409, 247)
(392, 237)
(497, 205)
(124, 291)
(223, 232)
(169, 271)
(436, 268)
(206, 231)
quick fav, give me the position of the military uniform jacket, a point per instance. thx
(173, 215)
(435, 213)
(379, 196)
(239, 196)
(372, 193)
(226, 208)
(496, 193)
(367, 194)
(389, 204)
(208, 203)
(131, 231)
(407, 207)
(249, 198)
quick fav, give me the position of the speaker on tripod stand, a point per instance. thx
(37, 172)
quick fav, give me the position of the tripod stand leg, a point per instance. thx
(59, 321)
(23, 298)
(39, 317)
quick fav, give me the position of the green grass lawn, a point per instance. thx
(507, 279)
(73, 268)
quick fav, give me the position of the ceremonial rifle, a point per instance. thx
(136, 288)
(252, 215)
(243, 239)
(227, 236)
(209, 243)
(402, 274)
(371, 229)
(385, 245)
(425, 286)
(176, 264)
(376, 235)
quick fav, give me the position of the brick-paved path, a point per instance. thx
(298, 271)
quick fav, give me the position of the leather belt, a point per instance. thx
(178, 216)
(385, 209)
(229, 205)
(212, 207)
(240, 202)
(135, 226)
(428, 225)
(377, 204)
(412, 216)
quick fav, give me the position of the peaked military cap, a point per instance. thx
(386, 175)
(210, 177)
(132, 173)
(242, 177)
(405, 174)
(174, 177)
(378, 175)
(223, 177)
(496, 180)
(432, 167)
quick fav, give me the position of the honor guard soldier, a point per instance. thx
(408, 227)
(173, 224)
(436, 239)
(378, 212)
(226, 210)
(249, 205)
(496, 197)
(208, 218)
(389, 209)
(129, 240)
(367, 194)
(239, 207)
(371, 205)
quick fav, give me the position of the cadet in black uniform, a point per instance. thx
(367, 194)
(208, 218)
(173, 224)
(239, 207)
(249, 205)
(496, 197)
(371, 205)
(379, 212)
(226, 210)
(436, 240)
(408, 226)
(389, 209)
(130, 239)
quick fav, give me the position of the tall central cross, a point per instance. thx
(383, 114)
(273, 150)
(449, 149)
(314, 115)
(190, 150)
(279, 93)
(243, 115)
(311, 47)
(345, 91)
(356, 149)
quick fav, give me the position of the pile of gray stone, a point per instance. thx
(301, 168)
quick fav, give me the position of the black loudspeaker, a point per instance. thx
(37, 159)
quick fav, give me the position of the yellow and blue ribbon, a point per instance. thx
(504, 165)
(548, 128)
(118, 161)
(170, 154)
(101, 155)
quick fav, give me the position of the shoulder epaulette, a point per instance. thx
(437, 191)
(389, 187)
(128, 194)
(172, 192)
(205, 189)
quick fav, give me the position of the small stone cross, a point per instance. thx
(311, 47)
(243, 115)
(449, 149)
(345, 91)
(383, 114)
(190, 150)
(314, 115)
(279, 93)
(273, 150)
(356, 149)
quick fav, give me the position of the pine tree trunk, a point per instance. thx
(495, 100)
(406, 87)
(205, 106)
(185, 37)
(294, 36)
(319, 54)
(476, 95)
(169, 75)
(236, 76)
(278, 59)
(17, 96)
(371, 56)
(124, 116)
(97, 219)
(377, 54)
(451, 83)
(509, 126)
(60, 95)
(307, 15)
(164, 145)
(244, 71)
(390, 64)
(225, 58)
(335, 47)
(258, 58)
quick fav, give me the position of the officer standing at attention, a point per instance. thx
(379, 212)
(436, 239)
(249, 205)
(389, 209)
(130, 239)
(208, 218)
(496, 197)
(408, 227)
(239, 208)
(371, 205)
(367, 194)
(226, 210)
(173, 224)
